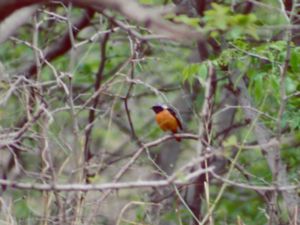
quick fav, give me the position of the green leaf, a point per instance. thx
(230, 141)
(217, 17)
(202, 73)
(290, 85)
(236, 32)
(189, 71)
(147, 2)
(221, 18)
(195, 70)
(294, 61)
(194, 22)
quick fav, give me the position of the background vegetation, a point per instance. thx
(79, 143)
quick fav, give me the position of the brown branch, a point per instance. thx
(17, 135)
(227, 130)
(14, 21)
(61, 46)
(8, 7)
(204, 133)
(99, 77)
(244, 7)
(201, 7)
(134, 56)
(288, 5)
(150, 17)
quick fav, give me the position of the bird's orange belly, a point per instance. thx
(166, 121)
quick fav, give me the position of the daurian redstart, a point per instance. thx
(167, 119)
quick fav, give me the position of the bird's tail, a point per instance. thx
(177, 138)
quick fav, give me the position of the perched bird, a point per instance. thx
(167, 119)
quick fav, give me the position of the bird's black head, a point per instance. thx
(158, 108)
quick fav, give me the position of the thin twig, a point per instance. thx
(99, 77)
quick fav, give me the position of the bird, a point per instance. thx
(167, 119)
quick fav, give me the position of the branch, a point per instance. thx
(17, 135)
(99, 77)
(149, 145)
(132, 160)
(255, 187)
(101, 187)
(14, 21)
(61, 46)
(134, 56)
(139, 184)
(283, 71)
(271, 152)
(150, 17)
(198, 190)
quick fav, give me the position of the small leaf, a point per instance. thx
(290, 85)
(202, 73)
(190, 71)
(232, 140)
(191, 21)
(146, 2)
(295, 58)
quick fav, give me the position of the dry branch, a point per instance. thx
(101, 187)
(148, 17)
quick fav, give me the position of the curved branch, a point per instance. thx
(148, 17)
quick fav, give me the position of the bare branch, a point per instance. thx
(255, 187)
(99, 77)
(149, 17)
(102, 187)
(12, 23)
(62, 45)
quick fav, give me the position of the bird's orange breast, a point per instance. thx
(166, 121)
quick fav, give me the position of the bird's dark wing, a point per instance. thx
(173, 112)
